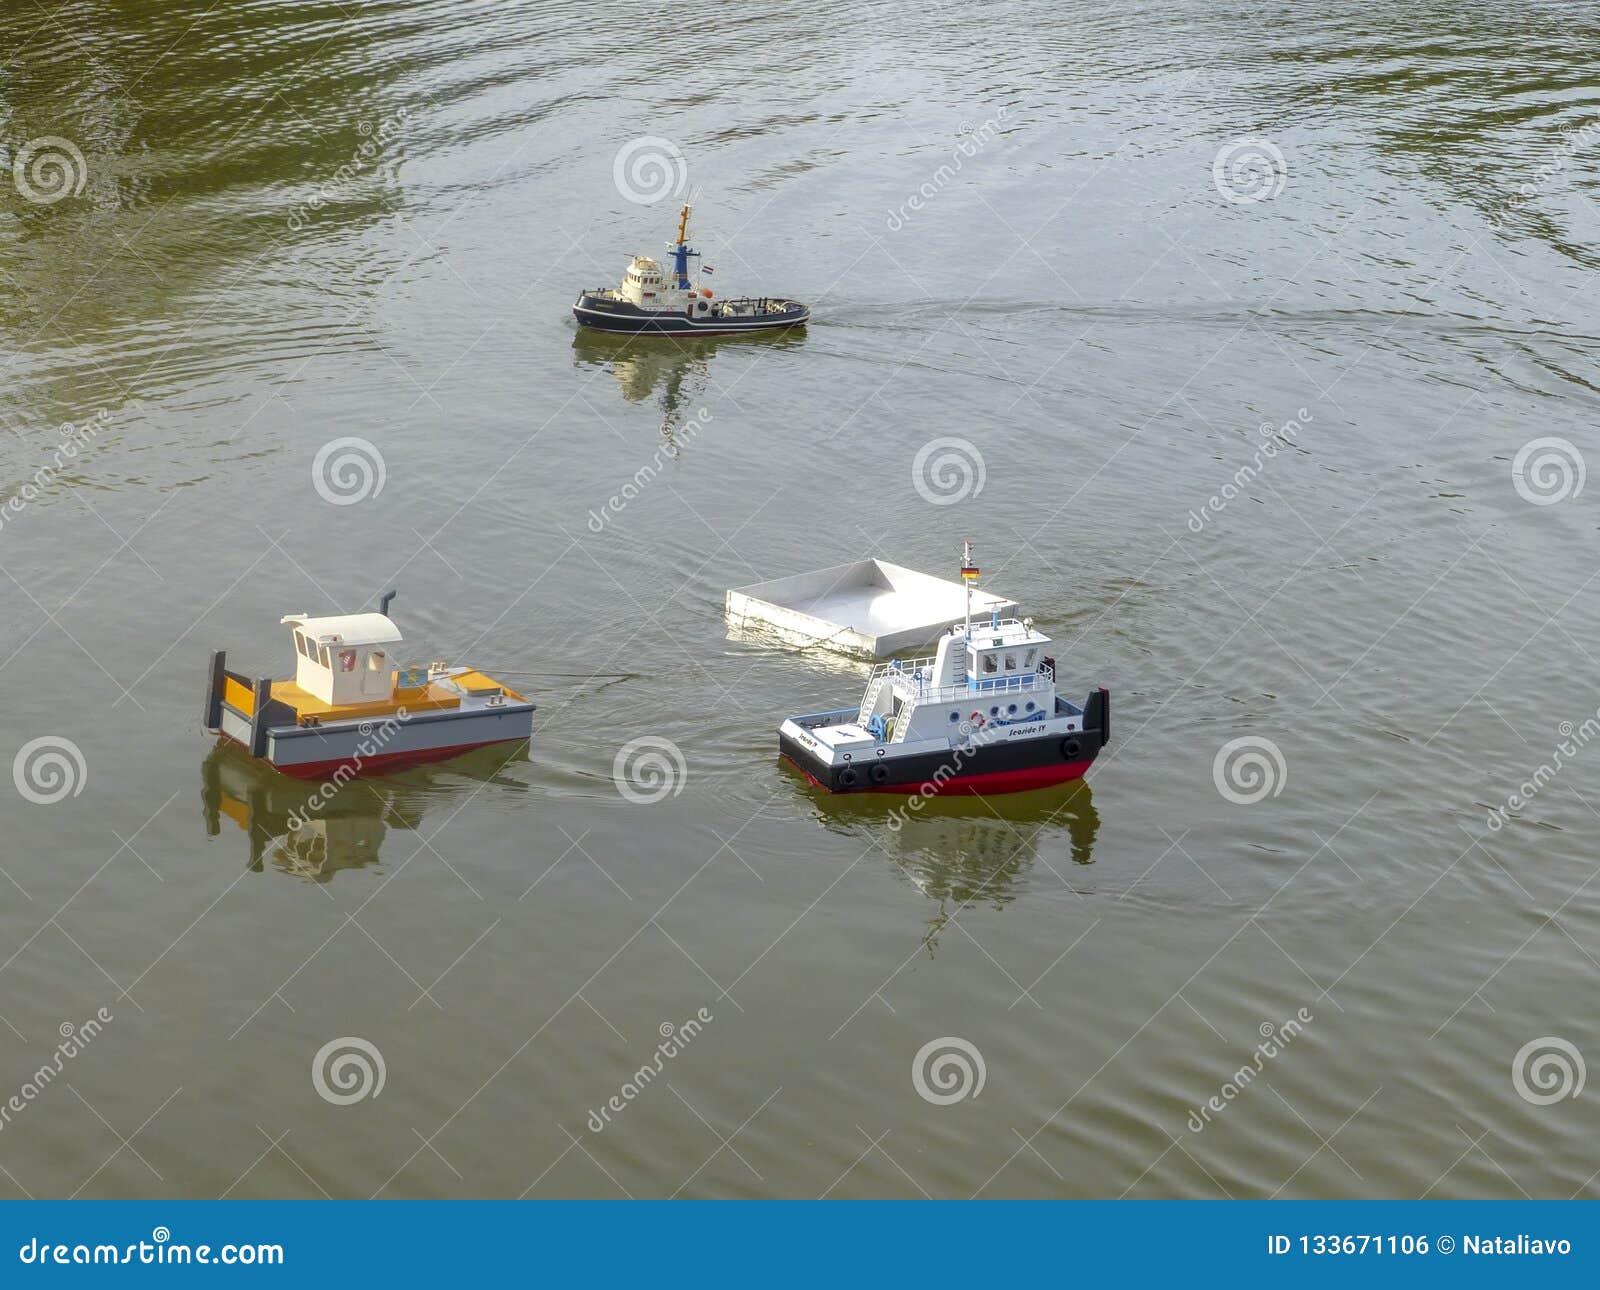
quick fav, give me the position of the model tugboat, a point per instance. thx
(981, 716)
(657, 301)
(349, 712)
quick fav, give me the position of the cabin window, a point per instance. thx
(990, 662)
(1011, 662)
(1028, 661)
(347, 660)
(325, 659)
(376, 662)
(300, 644)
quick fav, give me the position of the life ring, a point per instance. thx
(847, 777)
(880, 774)
(1071, 748)
(977, 718)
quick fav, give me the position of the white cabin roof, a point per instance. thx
(347, 629)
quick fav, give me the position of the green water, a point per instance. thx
(284, 224)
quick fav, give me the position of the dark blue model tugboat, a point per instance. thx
(653, 301)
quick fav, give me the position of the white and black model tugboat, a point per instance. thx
(981, 716)
(653, 300)
(349, 711)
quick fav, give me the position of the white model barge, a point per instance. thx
(349, 712)
(980, 716)
(653, 300)
(870, 608)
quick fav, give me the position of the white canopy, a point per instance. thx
(347, 629)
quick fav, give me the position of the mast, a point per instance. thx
(969, 575)
(680, 250)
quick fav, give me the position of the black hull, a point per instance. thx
(994, 768)
(620, 318)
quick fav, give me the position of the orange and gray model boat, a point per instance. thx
(350, 711)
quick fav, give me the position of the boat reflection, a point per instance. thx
(679, 369)
(308, 832)
(966, 851)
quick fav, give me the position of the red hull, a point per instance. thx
(381, 763)
(1000, 781)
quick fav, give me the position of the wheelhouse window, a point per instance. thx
(376, 661)
(990, 663)
(347, 660)
(1011, 662)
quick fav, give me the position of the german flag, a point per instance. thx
(969, 572)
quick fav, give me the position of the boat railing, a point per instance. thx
(979, 628)
(1043, 678)
(915, 682)
(914, 679)
(916, 668)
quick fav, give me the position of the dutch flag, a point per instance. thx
(706, 268)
